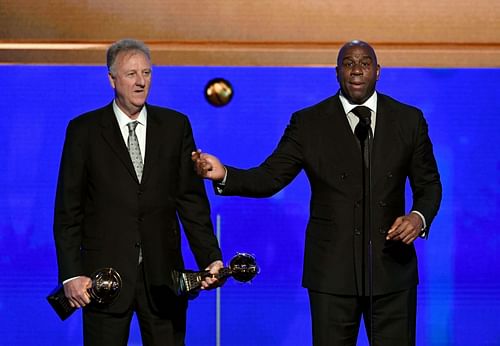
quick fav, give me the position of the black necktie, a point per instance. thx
(365, 119)
(363, 129)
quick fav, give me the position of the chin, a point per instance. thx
(359, 99)
(139, 103)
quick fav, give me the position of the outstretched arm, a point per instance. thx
(276, 172)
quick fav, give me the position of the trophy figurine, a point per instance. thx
(242, 267)
(106, 285)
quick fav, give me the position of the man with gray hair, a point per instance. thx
(126, 183)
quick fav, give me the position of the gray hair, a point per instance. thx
(125, 45)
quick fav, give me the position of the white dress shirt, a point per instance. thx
(140, 130)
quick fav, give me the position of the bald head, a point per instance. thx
(356, 43)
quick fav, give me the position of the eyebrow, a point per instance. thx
(352, 58)
(141, 70)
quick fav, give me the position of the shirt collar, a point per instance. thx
(370, 103)
(123, 119)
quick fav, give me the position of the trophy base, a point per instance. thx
(60, 303)
(187, 283)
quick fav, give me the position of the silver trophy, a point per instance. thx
(242, 267)
(106, 286)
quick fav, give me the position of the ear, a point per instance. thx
(111, 80)
(378, 72)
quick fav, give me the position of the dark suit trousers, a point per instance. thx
(113, 329)
(336, 319)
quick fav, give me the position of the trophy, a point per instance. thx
(242, 267)
(106, 285)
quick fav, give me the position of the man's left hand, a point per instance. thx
(406, 228)
(211, 282)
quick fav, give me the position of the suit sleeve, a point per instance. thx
(276, 172)
(424, 176)
(68, 211)
(193, 207)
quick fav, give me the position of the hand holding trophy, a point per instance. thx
(106, 285)
(242, 267)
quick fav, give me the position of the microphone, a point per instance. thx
(364, 133)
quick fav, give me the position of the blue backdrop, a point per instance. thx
(459, 295)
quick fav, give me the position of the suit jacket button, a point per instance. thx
(389, 175)
(138, 244)
(381, 231)
(357, 232)
(382, 204)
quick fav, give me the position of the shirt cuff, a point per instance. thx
(423, 232)
(220, 185)
(70, 279)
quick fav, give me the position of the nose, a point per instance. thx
(140, 80)
(356, 69)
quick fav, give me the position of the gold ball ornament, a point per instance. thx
(218, 92)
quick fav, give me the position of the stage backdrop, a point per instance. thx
(459, 294)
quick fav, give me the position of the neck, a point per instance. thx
(131, 112)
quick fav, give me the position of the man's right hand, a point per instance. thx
(208, 166)
(76, 291)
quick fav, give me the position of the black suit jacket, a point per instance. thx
(320, 141)
(103, 214)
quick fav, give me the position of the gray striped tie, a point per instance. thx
(134, 149)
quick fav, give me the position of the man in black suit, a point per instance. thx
(321, 140)
(121, 209)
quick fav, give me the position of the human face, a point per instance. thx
(357, 71)
(131, 78)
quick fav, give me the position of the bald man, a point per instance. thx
(344, 281)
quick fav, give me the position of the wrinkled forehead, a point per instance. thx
(129, 54)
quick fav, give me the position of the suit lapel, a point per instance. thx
(112, 136)
(341, 152)
(383, 142)
(342, 130)
(153, 137)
